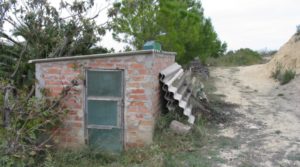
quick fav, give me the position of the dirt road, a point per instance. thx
(266, 130)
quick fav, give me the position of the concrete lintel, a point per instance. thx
(105, 55)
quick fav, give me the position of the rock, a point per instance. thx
(221, 125)
(179, 127)
(254, 127)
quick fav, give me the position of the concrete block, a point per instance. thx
(179, 127)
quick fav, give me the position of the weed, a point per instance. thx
(283, 76)
(280, 94)
(288, 75)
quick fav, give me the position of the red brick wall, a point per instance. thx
(141, 94)
(160, 62)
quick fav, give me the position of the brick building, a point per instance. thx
(116, 101)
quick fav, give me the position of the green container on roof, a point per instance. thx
(152, 45)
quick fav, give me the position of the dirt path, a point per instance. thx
(266, 131)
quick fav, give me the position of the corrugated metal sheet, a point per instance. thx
(177, 89)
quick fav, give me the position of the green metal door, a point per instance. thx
(104, 105)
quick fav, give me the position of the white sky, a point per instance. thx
(256, 24)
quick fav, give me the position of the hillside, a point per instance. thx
(288, 55)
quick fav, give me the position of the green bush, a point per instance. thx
(283, 76)
(287, 76)
(240, 57)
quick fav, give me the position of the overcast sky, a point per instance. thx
(256, 24)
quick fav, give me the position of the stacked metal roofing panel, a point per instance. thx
(177, 87)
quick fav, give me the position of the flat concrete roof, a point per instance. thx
(104, 55)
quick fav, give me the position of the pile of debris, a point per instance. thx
(182, 89)
(197, 68)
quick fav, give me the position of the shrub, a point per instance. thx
(236, 58)
(298, 29)
(266, 53)
(287, 76)
(283, 76)
(26, 139)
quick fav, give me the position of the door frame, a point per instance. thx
(120, 107)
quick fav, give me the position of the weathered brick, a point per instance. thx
(142, 71)
(137, 103)
(133, 109)
(120, 66)
(138, 97)
(147, 123)
(138, 78)
(131, 145)
(137, 91)
(54, 70)
(77, 124)
(130, 71)
(148, 85)
(77, 118)
(107, 65)
(143, 109)
(53, 82)
(71, 65)
(133, 84)
(116, 61)
(55, 88)
(139, 116)
(72, 112)
(70, 71)
(135, 66)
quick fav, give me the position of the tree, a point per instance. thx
(178, 25)
(40, 31)
(298, 29)
(134, 21)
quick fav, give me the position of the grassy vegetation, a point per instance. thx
(168, 149)
(240, 57)
(283, 76)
